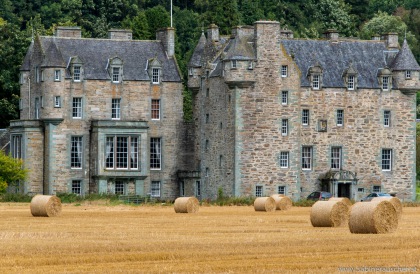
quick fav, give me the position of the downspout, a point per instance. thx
(29, 95)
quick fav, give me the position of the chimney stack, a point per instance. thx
(391, 40)
(73, 32)
(213, 33)
(167, 38)
(122, 34)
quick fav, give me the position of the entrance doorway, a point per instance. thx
(344, 190)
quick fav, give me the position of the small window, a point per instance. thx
(234, 64)
(220, 160)
(336, 157)
(361, 190)
(258, 191)
(182, 189)
(20, 104)
(115, 74)
(76, 73)
(197, 188)
(76, 152)
(16, 146)
(119, 188)
(385, 83)
(386, 159)
(57, 101)
(57, 75)
(408, 74)
(76, 187)
(284, 159)
(155, 109)
(376, 189)
(155, 189)
(21, 78)
(315, 81)
(206, 145)
(207, 172)
(191, 71)
(281, 190)
(387, 118)
(116, 109)
(284, 97)
(251, 65)
(37, 74)
(42, 75)
(340, 117)
(155, 75)
(41, 98)
(207, 92)
(77, 108)
(155, 153)
(284, 127)
(37, 108)
(283, 71)
(207, 118)
(350, 82)
(306, 158)
(305, 117)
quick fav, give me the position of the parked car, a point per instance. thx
(373, 195)
(319, 195)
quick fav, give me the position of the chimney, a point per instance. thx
(286, 33)
(167, 38)
(331, 34)
(242, 31)
(376, 37)
(122, 34)
(213, 33)
(267, 38)
(391, 40)
(73, 32)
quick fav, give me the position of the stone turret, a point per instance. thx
(406, 71)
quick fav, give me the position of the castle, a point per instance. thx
(272, 114)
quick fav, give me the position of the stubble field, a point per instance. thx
(154, 239)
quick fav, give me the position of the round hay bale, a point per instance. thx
(45, 206)
(373, 217)
(329, 214)
(265, 204)
(394, 201)
(186, 205)
(282, 202)
(341, 199)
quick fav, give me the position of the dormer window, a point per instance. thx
(315, 76)
(315, 81)
(408, 74)
(350, 82)
(115, 69)
(385, 79)
(350, 77)
(234, 64)
(155, 76)
(115, 74)
(76, 73)
(154, 70)
(385, 83)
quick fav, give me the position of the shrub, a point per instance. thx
(304, 203)
(15, 197)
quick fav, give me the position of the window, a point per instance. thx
(284, 97)
(76, 73)
(76, 152)
(207, 92)
(220, 160)
(77, 107)
(305, 117)
(42, 75)
(258, 191)
(155, 189)
(281, 190)
(386, 159)
(37, 74)
(251, 65)
(207, 172)
(284, 126)
(115, 74)
(336, 157)
(315, 81)
(340, 117)
(116, 109)
(407, 74)
(122, 152)
(361, 190)
(284, 159)
(385, 82)
(306, 158)
(155, 153)
(57, 75)
(283, 71)
(350, 82)
(57, 101)
(20, 104)
(119, 188)
(206, 145)
(191, 71)
(155, 75)
(234, 64)
(21, 78)
(155, 109)
(197, 188)
(37, 104)
(387, 118)
(181, 189)
(76, 187)
(376, 188)
(207, 118)
(16, 146)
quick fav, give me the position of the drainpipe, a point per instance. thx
(29, 94)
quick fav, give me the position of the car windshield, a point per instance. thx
(383, 194)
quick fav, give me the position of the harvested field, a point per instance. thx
(154, 239)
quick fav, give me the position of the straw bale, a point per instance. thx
(186, 205)
(394, 201)
(45, 206)
(329, 214)
(265, 204)
(282, 202)
(373, 217)
(341, 199)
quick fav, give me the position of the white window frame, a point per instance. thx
(284, 159)
(350, 82)
(155, 109)
(284, 127)
(76, 187)
(259, 191)
(387, 118)
(336, 157)
(307, 153)
(121, 152)
(77, 71)
(385, 83)
(155, 189)
(281, 190)
(119, 187)
(77, 108)
(340, 117)
(37, 107)
(16, 146)
(116, 108)
(284, 71)
(408, 74)
(386, 159)
(57, 101)
(305, 117)
(57, 75)
(155, 153)
(234, 64)
(316, 81)
(376, 188)
(284, 97)
(155, 75)
(116, 74)
(76, 152)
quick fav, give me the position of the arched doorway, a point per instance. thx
(341, 183)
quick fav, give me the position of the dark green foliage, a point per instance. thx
(304, 203)
(15, 197)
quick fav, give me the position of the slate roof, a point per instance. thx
(196, 58)
(240, 49)
(95, 54)
(335, 57)
(26, 64)
(405, 59)
(53, 57)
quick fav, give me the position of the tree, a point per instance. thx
(157, 17)
(139, 26)
(11, 170)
